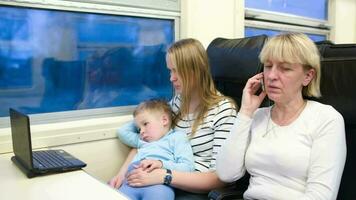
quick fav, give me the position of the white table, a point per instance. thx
(75, 185)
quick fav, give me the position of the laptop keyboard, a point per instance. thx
(49, 159)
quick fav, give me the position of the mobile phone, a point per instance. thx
(262, 84)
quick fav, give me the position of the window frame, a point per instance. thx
(285, 27)
(256, 18)
(159, 10)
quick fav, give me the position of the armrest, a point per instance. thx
(233, 191)
(227, 193)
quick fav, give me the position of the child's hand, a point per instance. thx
(116, 181)
(149, 165)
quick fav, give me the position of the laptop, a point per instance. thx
(35, 163)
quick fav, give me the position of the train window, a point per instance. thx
(54, 60)
(251, 31)
(316, 9)
(272, 17)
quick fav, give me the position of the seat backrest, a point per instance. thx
(338, 78)
(233, 61)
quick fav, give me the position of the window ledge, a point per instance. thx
(63, 133)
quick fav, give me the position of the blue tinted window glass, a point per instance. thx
(249, 31)
(313, 9)
(54, 61)
(15, 73)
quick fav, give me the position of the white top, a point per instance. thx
(303, 160)
(210, 134)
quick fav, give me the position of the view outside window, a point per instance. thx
(53, 61)
(310, 11)
(316, 9)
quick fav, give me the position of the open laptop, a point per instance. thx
(34, 163)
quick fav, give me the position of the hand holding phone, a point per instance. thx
(253, 95)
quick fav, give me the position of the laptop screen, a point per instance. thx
(21, 138)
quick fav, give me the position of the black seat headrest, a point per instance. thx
(338, 78)
(233, 61)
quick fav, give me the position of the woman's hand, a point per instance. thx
(250, 101)
(139, 177)
(149, 165)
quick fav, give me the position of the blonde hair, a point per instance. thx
(192, 64)
(155, 105)
(295, 48)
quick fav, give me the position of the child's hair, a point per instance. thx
(155, 105)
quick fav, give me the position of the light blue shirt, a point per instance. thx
(173, 149)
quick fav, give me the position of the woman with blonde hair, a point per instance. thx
(202, 112)
(294, 149)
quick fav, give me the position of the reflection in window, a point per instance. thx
(54, 61)
(250, 31)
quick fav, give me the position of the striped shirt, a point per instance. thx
(210, 134)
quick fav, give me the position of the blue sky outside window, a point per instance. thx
(316, 9)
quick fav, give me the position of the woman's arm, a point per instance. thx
(198, 182)
(230, 163)
(117, 180)
(327, 160)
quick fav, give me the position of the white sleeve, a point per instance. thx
(230, 164)
(327, 161)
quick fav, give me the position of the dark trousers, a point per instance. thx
(183, 195)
